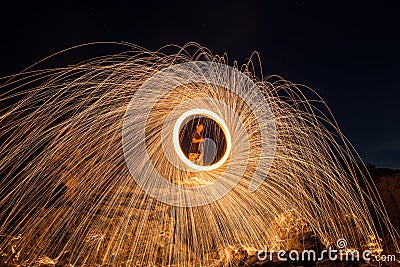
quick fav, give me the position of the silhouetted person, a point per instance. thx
(196, 153)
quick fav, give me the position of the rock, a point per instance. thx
(389, 189)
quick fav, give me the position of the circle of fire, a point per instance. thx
(178, 148)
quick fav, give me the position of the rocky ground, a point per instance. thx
(387, 182)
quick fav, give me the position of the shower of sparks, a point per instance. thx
(66, 191)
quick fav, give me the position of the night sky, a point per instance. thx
(348, 53)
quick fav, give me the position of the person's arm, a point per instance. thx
(197, 140)
(194, 140)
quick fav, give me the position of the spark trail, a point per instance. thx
(80, 161)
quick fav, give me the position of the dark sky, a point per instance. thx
(348, 53)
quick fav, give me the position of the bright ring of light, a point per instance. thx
(220, 122)
(137, 119)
